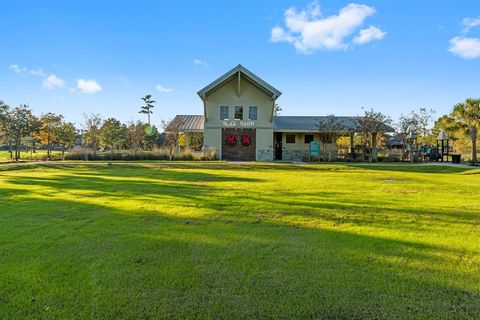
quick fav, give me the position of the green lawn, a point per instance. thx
(38, 155)
(219, 241)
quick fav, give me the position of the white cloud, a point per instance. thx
(470, 23)
(24, 70)
(161, 88)
(88, 86)
(17, 69)
(199, 62)
(308, 30)
(467, 48)
(53, 82)
(37, 72)
(369, 34)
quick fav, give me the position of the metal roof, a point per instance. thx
(187, 123)
(312, 123)
(245, 72)
(443, 136)
(195, 123)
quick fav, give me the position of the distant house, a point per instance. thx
(238, 121)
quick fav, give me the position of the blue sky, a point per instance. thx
(74, 57)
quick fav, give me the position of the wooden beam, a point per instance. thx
(238, 84)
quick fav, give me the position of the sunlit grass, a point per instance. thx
(223, 241)
(27, 156)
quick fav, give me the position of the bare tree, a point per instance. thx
(172, 129)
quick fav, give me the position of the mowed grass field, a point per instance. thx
(26, 156)
(239, 242)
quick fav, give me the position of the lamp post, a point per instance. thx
(442, 145)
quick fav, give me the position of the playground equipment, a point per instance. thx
(443, 148)
(412, 146)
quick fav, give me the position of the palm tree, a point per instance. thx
(147, 107)
(467, 118)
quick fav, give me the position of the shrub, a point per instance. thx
(132, 155)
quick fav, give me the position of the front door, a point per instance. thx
(278, 145)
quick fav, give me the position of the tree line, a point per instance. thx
(21, 129)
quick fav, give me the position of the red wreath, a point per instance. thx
(246, 141)
(231, 140)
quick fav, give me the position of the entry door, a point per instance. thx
(278, 146)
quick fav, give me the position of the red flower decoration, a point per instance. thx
(231, 141)
(246, 140)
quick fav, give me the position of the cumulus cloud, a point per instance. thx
(308, 30)
(464, 46)
(369, 34)
(53, 82)
(199, 62)
(161, 88)
(467, 48)
(88, 86)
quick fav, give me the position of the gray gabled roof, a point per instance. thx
(315, 123)
(186, 123)
(195, 123)
(312, 123)
(246, 73)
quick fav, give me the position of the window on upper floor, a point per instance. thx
(290, 138)
(252, 113)
(224, 113)
(308, 138)
(238, 113)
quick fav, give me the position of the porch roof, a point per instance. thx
(312, 123)
(195, 123)
(187, 123)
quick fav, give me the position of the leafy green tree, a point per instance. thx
(18, 124)
(151, 138)
(466, 117)
(112, 134)
(67, 136)
(135, 135)
(330, 129)
(372, 125)
(148, 106)
(277, 109)
(91, 131)
(50, 124)
(418, 121)
(3, 120)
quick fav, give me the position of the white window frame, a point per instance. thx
(250, 112)
(228, 112)
(235, 113)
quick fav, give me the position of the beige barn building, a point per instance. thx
(238, 121)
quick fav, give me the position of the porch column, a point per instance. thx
(187, 140)
(352, 145)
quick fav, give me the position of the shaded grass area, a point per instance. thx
(223, 241)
